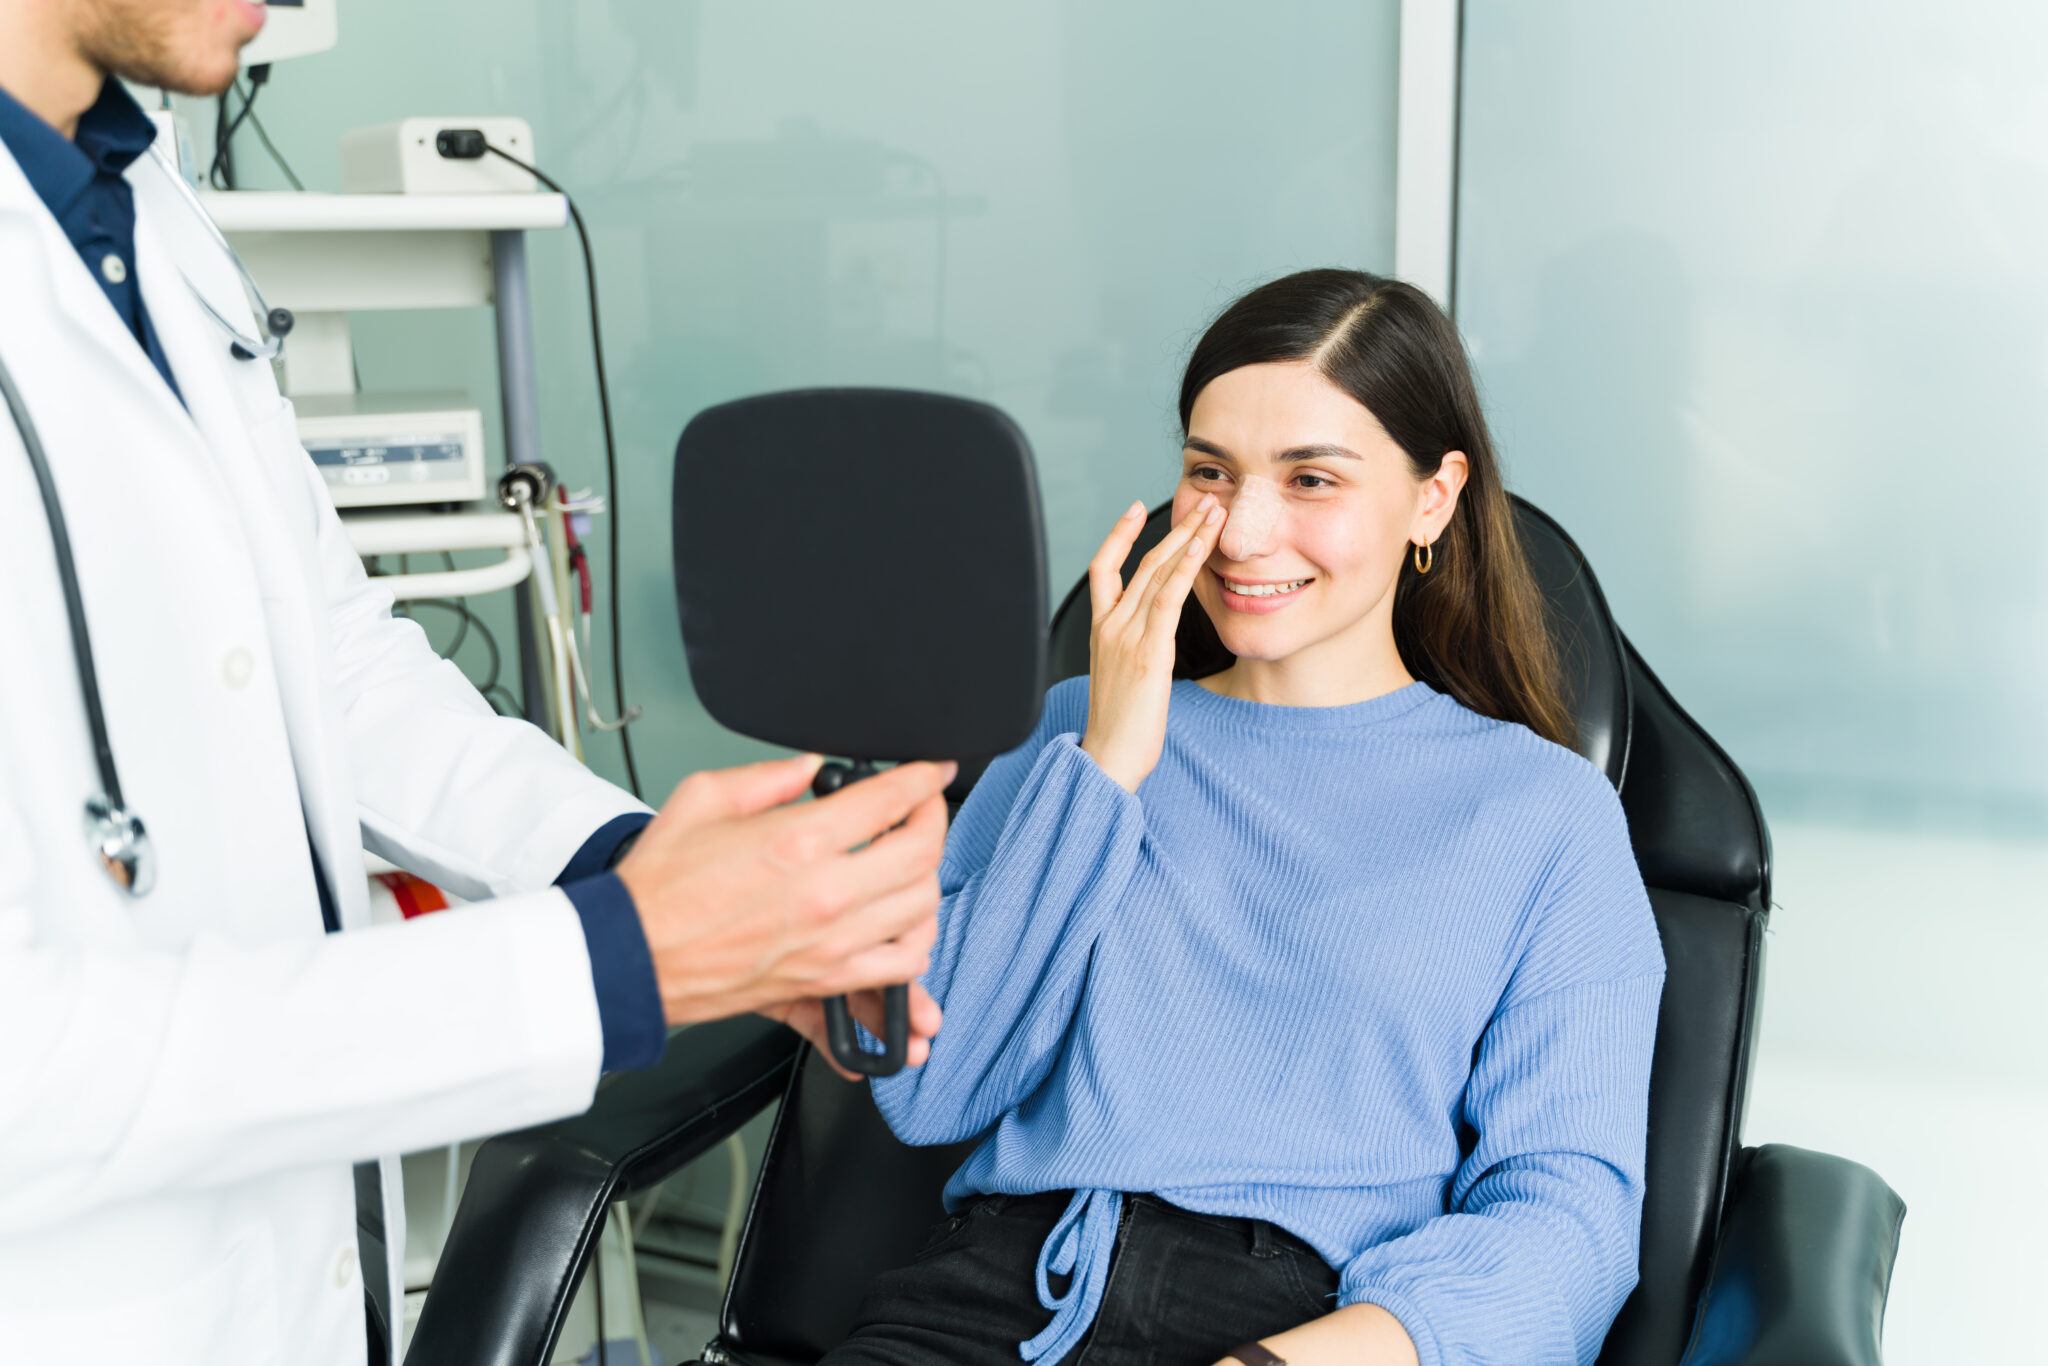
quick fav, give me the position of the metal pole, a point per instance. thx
(520, 396)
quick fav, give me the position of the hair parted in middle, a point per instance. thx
(1474, 626)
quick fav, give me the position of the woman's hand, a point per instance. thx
(1357, 1335)
(808, 1019)
(1130, 645)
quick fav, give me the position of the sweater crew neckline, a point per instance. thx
(1274, 716)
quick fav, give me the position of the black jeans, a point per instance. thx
(1183, 1289)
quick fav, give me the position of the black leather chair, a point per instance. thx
(1770, 1256)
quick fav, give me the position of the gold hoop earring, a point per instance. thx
(1425, 556)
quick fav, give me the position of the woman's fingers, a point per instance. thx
(1148, 572)
(1105, 571)
(1170, 586)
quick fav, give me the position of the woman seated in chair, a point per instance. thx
(1304, 1005)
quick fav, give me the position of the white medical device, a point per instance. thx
(407, 157)
(293, 28)
(381, 450)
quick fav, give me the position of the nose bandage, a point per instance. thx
(1254, 513)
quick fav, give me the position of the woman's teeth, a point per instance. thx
(1264, 590)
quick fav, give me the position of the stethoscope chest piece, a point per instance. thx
(121, 844)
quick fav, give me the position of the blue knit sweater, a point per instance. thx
(1383, 975)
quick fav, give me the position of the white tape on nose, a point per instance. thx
(1254, 513)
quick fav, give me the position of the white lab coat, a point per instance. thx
(186, 1079)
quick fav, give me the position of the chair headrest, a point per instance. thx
(1693, 818)
(1589, 646)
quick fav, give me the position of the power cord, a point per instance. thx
(468, 623)
(221, 174)
(468, 145)
(263, 135)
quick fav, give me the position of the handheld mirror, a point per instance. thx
(861, 573)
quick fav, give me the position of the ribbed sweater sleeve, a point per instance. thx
(1045, 844)
(1539, 1245)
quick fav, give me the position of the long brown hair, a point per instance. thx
(1473, 626)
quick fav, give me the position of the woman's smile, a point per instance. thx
(1259, 595)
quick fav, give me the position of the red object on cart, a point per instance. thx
(414, 895)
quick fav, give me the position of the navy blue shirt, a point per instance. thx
(80, 182)
(621, 968)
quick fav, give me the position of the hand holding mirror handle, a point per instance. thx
(839, 1028)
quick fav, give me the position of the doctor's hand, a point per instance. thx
(1130, 644)
(750, 902)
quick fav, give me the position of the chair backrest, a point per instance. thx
(840, 1200)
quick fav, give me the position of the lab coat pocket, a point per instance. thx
(224, 1316)
(274, 434)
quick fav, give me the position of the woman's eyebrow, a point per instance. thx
(1325, 451)
(1294, 454)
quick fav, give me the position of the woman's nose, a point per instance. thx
(1254, 516)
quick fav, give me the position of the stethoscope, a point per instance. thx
(276, 321)
(114, 833)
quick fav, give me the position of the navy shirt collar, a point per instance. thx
(111, 135)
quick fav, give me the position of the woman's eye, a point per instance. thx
(1206, 474)
(1313, 481)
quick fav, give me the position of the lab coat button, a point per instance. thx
(236, 666)
(113, 269)
(345, 1267)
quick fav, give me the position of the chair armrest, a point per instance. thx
(1802, 1265)
(536, 1199)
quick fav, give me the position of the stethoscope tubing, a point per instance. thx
(115, 834)
(242, 346)
(74, 600)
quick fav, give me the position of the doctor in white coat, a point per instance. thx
(188, 1077)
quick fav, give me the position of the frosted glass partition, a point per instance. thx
(1760, 301)
(1033, 204)
(1759, 298)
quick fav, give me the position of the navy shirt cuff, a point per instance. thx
(601, 850)
(622, 972)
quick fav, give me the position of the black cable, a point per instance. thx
(263, 134)
(221, 175)
(611, 456)
(470, 622)
(463, 618)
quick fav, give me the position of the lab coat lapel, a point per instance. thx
(294, 611)
(82, 307)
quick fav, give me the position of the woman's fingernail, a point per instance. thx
(1133, 510)
(1196, 548)
(1215, 516)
